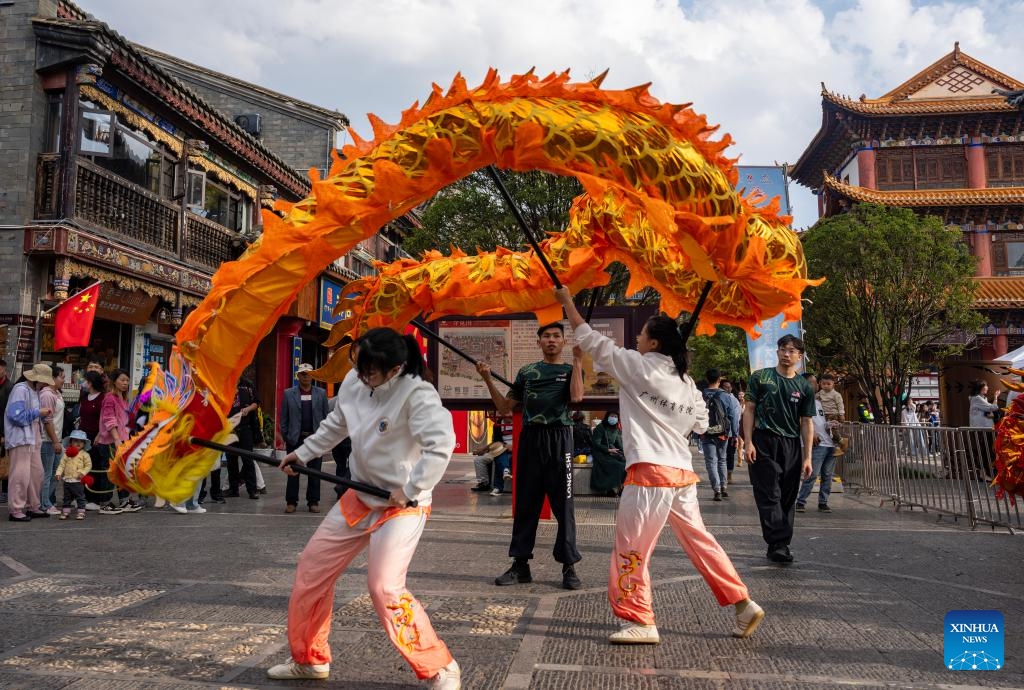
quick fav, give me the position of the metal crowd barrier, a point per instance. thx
(941, 469)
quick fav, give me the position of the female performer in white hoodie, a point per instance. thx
(402, 440)
(660, 406)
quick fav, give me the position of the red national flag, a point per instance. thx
(72, 326)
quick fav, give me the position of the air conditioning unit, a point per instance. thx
(251, 123)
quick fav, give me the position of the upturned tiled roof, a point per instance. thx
(999, 293)
(993, 196)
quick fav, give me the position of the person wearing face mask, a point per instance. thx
(402, 441)
(609, 469)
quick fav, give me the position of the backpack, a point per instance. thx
(718, 415)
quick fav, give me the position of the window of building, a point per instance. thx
(127, 152)
(54, 103)
(921, 167)
(217, 202)
(1004, 165)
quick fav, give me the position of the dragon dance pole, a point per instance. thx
(301, 469)
(461, 353)
(696, 311)
(493, 172)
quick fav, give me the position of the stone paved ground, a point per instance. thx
(161, 600)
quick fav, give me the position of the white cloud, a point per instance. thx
(753, 66)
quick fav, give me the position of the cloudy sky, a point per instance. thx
(755, 67)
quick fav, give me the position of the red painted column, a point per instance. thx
(1000, 345)
(982, 248)
(287, 328)
(866, 168)
(977, 176)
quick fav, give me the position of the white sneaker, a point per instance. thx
(179, 508)
(159, 502)
(53, 510)
(199, 509)
(290, 669)
(634, 633)
(91, 506)
(448, 678)
(506, 475)
(747, 622)
(495, 492)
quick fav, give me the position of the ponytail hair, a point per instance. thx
(670, 341)
(384, 348)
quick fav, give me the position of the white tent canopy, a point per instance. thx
(1015, 358)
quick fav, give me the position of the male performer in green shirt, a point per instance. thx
(544, 455)
(777, 416)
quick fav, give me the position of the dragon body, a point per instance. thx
(659, 198)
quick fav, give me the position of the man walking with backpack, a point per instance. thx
(723, 428)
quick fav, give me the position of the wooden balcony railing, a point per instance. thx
(106, 200)
(208, 243)
(136, 215)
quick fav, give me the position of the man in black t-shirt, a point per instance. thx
(778, 413)
(544, 453)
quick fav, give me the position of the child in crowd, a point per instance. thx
(831, 406)
(75, 463)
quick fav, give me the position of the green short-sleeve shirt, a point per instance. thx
(780, 402)
(543, 389)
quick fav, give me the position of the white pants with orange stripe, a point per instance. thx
(391, 544)
(643, 512)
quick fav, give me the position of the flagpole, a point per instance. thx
(47, 311)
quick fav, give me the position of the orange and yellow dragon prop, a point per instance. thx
(659, 198)
(1009, 478)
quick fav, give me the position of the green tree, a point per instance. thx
(898, 286)
(726, 351)
(471, 214)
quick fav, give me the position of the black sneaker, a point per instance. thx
(718, 496)
(801, 508)
(130, 507)
(518, 574)
(569, 578)
(481, 487)
(725, 494)
(823, 508)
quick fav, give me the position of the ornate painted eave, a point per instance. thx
(125, 57)
(827, 150)
(994, 196)
(937, 106)
(999, 293)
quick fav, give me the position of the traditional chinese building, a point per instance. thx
(146, 172)
(944, 143)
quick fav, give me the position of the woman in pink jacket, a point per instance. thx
(113, 432)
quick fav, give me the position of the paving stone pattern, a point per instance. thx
(160, 600)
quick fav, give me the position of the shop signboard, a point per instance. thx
(125, 306)
(330, 293)
(508, 345)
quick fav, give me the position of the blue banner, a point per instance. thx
(296, 357)
(771, 181)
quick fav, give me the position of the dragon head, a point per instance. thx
(159, 459)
